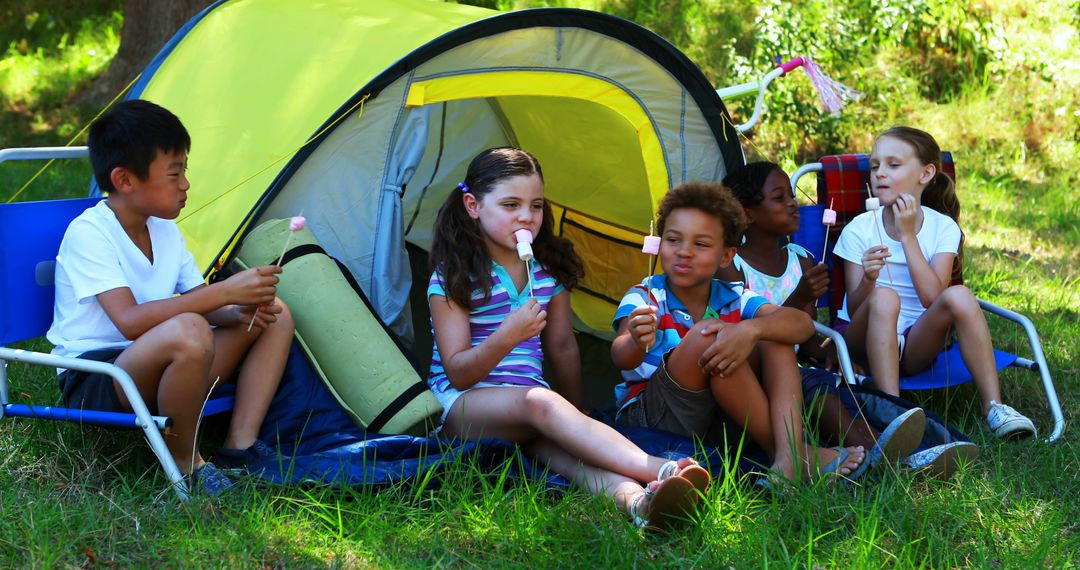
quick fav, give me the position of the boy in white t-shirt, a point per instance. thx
(119, 271)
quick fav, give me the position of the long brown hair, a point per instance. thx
(458, 251)
(940, 192)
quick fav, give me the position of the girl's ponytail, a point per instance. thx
(457, 250)
(940, 194)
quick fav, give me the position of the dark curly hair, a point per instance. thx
(458, 250)
(709, 197)
(746, 182)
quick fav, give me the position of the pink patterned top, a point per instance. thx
(775, 289)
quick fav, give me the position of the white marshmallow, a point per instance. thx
(524, 238)
(651, 245)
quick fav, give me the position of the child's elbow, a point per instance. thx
(130, 330)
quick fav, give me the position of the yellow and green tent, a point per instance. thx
(364, 114)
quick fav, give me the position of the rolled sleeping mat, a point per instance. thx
(352, 351)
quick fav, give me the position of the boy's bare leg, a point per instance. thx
(838, 427)
(169, 364)
(872, 338)
(260, 356)
(783, 386)
(523, 414)
(956, 306)
(738, 394)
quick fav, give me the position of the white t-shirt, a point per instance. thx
(939, 234)
(95, 256)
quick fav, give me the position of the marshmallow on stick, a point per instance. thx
(650, 246)
(828, 217)
(296, 223)
(872, 206)
(525, 253)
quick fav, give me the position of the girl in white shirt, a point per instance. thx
(911, 304)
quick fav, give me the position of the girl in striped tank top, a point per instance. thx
(491, 336)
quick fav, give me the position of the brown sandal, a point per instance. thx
(671, 503)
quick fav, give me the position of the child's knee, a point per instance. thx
(700, 336)
(285, 317)
(190, 333)
(884, 300)
(960, 299)
(543, 404)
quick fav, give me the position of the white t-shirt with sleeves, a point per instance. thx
(96, 255)
(939, 234)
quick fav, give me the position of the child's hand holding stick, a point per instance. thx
(296, 223)
(872, 206)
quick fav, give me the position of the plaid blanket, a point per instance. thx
(843, 187)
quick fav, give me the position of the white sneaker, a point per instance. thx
(941, 461)
(1008, 423)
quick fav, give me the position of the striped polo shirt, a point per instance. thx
(524, 365)
(729, 302)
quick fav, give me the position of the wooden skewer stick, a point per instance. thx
(877, 228)
(825, 249)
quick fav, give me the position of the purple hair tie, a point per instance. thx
(464, 187)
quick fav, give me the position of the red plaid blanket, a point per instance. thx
(843, 185)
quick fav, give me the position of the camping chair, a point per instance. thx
(30, 235)
(842, 181)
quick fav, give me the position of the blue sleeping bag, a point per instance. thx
(320, 444)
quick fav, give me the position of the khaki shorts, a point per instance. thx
(665, 405)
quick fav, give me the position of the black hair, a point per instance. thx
(458, 251)
(709, 197)
(746, 182)
(130, 135)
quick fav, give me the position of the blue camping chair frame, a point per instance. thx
(30, 235)
(949, 367)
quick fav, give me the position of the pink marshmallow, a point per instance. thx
(523, 236)
(828, 217)
(297, 223)
(651, 245)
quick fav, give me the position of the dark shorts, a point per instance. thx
(665, 405)
(818, 383)
(92, 390)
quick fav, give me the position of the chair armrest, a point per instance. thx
(800, 171)
(138, 406)
(841, 351)
(1040, 362)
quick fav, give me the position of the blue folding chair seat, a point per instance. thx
(30, 235)
(841, 181)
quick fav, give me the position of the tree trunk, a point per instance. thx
(148, 25)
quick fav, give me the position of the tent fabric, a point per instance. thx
(615, 114)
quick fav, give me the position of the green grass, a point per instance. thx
(74, 496)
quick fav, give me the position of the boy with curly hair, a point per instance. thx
(700, 355)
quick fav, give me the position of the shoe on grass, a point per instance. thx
(209, 481)
(243, 459)
(1007, 423)
(896, 441)
(941, 461)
